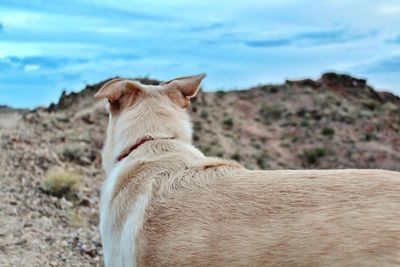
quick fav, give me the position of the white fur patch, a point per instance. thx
(119, 247)
(131, 229)
(106, 216)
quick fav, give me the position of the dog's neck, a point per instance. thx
(154, 150)
(138, 144)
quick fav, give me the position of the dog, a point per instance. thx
(164, 203)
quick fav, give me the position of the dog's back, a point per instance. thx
(216, 213)
(277, 218)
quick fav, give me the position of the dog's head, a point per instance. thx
(137, 111)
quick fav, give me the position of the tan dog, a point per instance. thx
(165, 204)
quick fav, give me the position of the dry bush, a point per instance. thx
(76, 218)
(61, 182)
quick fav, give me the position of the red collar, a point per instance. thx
(138, 144)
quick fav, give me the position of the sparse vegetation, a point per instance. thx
(219, 154)
(78, 153)
(75, 218)
(270, 88)
(60, 182)
(270, 113)
(236, 157)
(197, 126)
(327, 131)
(370, 105)
(260, 159)
(274, 89)
(204, 114)
(364, 114)
(72, 151)
(260, 162)
(369, 137)
(195, 137)
(311, 156)
(220, 93)
(228, 123)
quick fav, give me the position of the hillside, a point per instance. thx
(335, 122)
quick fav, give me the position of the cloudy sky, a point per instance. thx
(47, 46)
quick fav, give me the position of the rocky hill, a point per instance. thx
(335, 122)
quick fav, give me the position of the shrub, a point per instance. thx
(195, 137)
(269, 113)
(328, 131)
(311, 156)
(204, 114)
(270, 88)
(197, 126)
(228, 123)
(60, 182)
(262, 159)
(72, 152)
(274, 89)
(236, 157)
(260, 162)
(369, 137)
(220, 93)
(370, 105)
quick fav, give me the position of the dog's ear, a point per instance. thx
(181, 89)
(119, 92)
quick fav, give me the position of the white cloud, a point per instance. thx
(31, 67)
(56, 49)
(389, 9)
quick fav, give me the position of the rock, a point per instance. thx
(331, 79)
(90, 250)
(85, 202)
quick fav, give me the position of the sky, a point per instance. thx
(48, 46)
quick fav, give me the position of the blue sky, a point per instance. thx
(47, 46)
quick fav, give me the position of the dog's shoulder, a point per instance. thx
(213, 163)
